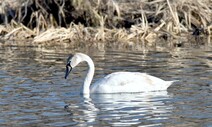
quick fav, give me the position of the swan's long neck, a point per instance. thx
(88, 79)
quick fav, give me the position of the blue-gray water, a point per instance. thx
(33, 91)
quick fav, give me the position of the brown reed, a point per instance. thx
(105, 20)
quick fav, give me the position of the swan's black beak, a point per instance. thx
(68, 70)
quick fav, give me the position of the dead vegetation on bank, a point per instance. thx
(105, 20)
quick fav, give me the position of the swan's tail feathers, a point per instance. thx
(169, 83)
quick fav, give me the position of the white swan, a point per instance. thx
(118, 82)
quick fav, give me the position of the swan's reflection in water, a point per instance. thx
(122, 109)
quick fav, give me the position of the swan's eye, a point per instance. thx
(68, 64)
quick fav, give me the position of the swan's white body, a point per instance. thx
(118, 82)
(123, 82)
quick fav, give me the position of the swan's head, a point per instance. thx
(72, 61)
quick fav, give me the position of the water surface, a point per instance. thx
(33, 91)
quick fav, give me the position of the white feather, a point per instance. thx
(118, 82)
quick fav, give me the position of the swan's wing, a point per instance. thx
(128, 82)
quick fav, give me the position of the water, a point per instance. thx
(33, 91)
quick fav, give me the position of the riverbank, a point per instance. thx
(104, 21)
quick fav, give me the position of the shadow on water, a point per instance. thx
(33, 91)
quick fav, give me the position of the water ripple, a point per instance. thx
(33, 91)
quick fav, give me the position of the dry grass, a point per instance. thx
(106, 21)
